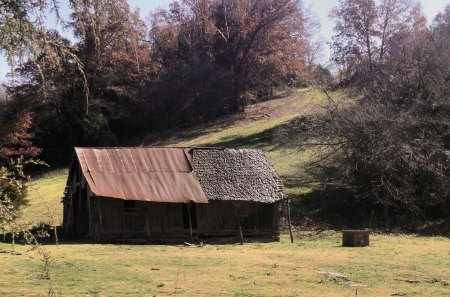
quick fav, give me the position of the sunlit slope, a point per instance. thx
(44, 198)
(267, 126)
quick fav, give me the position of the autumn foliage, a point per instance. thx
(195, 61)
(221, 55)
(16, 151)
(16, 137)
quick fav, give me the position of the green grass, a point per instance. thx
(315, 98)
(254, 269)
(249, 135)
(44, 199)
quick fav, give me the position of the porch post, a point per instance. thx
(190, 221)
(289, 220)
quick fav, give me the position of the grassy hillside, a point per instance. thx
(44, 196)
(258, 127)
(267, 126)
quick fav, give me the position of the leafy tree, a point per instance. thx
(2, 94)
(24, 37)
(15, 137)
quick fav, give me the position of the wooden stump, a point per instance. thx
(355, 238)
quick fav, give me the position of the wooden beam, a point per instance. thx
(100, 219)
(147, 223)
(191, 237)
(237, 205)
(89, 211)
(241, 236)
(289, 220)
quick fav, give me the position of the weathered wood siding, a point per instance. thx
(76, 204)
(223, 217)
(128, 219)
(102, 218)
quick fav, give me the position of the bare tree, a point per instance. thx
(390, 148)
(366, 31)
(3, 97)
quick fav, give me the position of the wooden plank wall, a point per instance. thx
(224, 216)
(146, 219)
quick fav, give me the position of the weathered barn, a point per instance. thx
(171, 193)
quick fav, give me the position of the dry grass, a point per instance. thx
(256, 269)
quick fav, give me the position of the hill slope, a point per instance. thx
(260, 126)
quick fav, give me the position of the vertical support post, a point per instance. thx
(241, 236)
(100, 219)
(89, 211)
(79, 212)
(238, 218)
(191, 237)
(147, 223)
(289, 220)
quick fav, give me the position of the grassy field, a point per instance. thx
(391, 266)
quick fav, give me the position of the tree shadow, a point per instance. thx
(330, 207)
(269, 139)
(434, 228)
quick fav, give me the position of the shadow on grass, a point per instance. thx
(270, 139)
(187, 133)
(338, 208)
(436, 228)
(182, 134)
(326, 208)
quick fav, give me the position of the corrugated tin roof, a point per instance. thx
(146, 174)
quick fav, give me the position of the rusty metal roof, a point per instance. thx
(146, 174)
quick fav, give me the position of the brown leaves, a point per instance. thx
(15, 138)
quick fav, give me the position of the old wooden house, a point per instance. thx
(171, 193)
